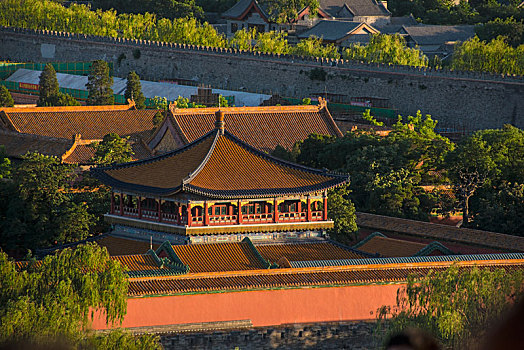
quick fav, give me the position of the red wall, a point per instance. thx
(263, 308)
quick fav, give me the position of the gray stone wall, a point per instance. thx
(355, 336)
(457, 99)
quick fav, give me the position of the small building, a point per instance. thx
(219, 184)
(247, 14)
(66, 132)
(261, 127)
(340, 33)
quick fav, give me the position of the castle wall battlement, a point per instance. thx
(469, 100)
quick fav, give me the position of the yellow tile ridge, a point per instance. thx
(237, 110)
(68, 108)
(370, 267)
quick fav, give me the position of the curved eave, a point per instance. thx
(264, 193)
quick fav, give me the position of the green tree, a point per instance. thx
(48, 86)
(314, 46)
(6, 100)
(286, 11)
(457, 306)
(496, 56)
(36, 210)
(342, 211)
(134, 90)
(470, 167)
(243, 39)
(509, 28)
(99, 85)
(5, 164)
(272, 42)
(389, 49)
(53, 299)
(112, 149)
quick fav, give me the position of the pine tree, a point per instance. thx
(99, 85)
(48, 86)
(134, 90)
(6, 100)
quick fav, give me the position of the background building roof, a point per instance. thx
(357, 7)
(333, 30)
(261, 127)
(438, 34)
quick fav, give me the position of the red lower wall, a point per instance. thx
(263, 308)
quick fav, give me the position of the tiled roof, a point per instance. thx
(17, 144)
(306, 251)
(217, 257)
(297, 278)
(123, 246)
(484, 258)
(218, 166)
(81, 154)
(261, 127)
(332, 30)
(139, 262)
(240, 8)
(377, 243)
(92, 122)
(441, 233)
(357, 7)
(438, 34)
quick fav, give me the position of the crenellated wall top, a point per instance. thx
(328, 63)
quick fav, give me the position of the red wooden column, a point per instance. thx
(188, 214)
(325, 209)
(179, 216)
(239, 217)
(159, 210)
(121, 204)
(299, 208)
(139, 207)
(112, 202)
(308, 208)
(275, 212)
(206, 214)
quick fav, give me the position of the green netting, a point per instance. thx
(76, 68)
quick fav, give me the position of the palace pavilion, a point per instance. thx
(218, 188)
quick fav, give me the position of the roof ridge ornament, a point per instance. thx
(219, 121)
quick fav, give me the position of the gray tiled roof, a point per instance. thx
(330, 30)
(437, 34)
(357, 7)
(331, 7)
(238, 8)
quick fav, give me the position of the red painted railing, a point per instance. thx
(257, 218)
(222, 219)
(317, 215)
(292, 216)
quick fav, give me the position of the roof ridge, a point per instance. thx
(155, 158)
(66, 109)
(244, 109)
(195, 172)
(267, 156)
(369, 238)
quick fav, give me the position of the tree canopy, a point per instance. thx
(134, 90)
(457, 306)
(100, 85)
(112, 149)
(384, 48)
(48, 86)
(35, 209)
(6, 100)
(52, 299)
